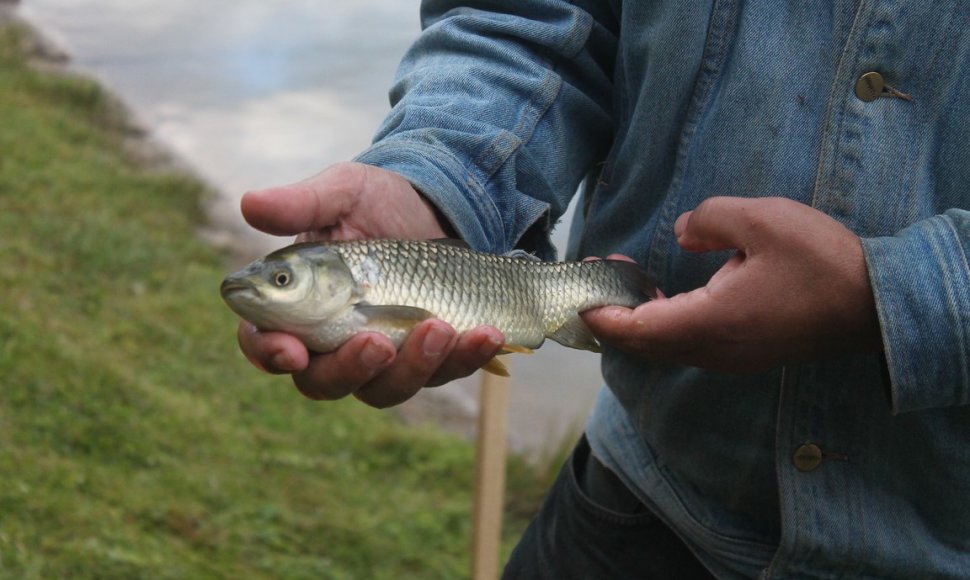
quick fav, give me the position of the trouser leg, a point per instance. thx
(591, 526)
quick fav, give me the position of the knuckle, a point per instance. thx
(384, 396)
(375, 402)
(714, 206)
(454, 372)
(348, 175)
(254, 360)
(318, 385)
(315, 393)
(366, 396)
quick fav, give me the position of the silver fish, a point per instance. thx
(324, 293)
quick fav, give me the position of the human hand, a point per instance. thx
(356, 201)
(796, 290)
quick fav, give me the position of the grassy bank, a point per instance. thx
(135, 442)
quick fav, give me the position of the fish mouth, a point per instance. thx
(235, 286)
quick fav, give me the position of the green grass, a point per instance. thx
(135, 441)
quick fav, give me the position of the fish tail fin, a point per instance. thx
(575, 334)
(638, 288)
(635, 280)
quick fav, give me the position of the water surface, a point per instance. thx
(254, 93)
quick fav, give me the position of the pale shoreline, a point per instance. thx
(444, 407)
(551, 390)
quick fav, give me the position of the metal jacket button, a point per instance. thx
(807, 457)
(870, 86)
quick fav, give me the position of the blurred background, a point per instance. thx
(250, 94)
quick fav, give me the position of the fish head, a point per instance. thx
(296, 287)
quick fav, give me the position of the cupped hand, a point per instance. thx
(795, 290)
(356, 201)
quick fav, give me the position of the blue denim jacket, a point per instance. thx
(500, 112)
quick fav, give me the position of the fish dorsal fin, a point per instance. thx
(575, 334)
(451, 242)
(392, 317)
(519, 254)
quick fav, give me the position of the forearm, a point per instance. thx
(921, 281)
(498, 116)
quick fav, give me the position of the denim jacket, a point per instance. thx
(851, 467)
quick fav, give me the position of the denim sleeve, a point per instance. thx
(921, 281)
(499, 110)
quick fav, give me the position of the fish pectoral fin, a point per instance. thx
(392, 317)
(515, 348)
(575, 334)
(496, 367)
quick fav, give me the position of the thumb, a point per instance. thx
(718, 223)
(312, 204)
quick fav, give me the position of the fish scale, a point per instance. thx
(527, 300)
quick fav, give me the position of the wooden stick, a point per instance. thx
(489, 476)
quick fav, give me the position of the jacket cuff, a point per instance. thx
(454, 190)
(442, 179)
(921, 283)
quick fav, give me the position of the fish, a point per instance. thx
(326, 292)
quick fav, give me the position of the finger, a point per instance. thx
(472, 351)
(660, 338)
(613, 325)
(618, 257)
(718, 223)
(272, 352)
(425, 349)
(311, 204)
(335, 375)
(659, 328)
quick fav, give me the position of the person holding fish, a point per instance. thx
(796, 401)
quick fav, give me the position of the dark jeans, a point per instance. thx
(592, 527)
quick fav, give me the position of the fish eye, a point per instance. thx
(282, 278)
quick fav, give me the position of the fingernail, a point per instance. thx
(283, 362)
(435, 342)
(490, 346)
(374, 355)
(680, 225)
